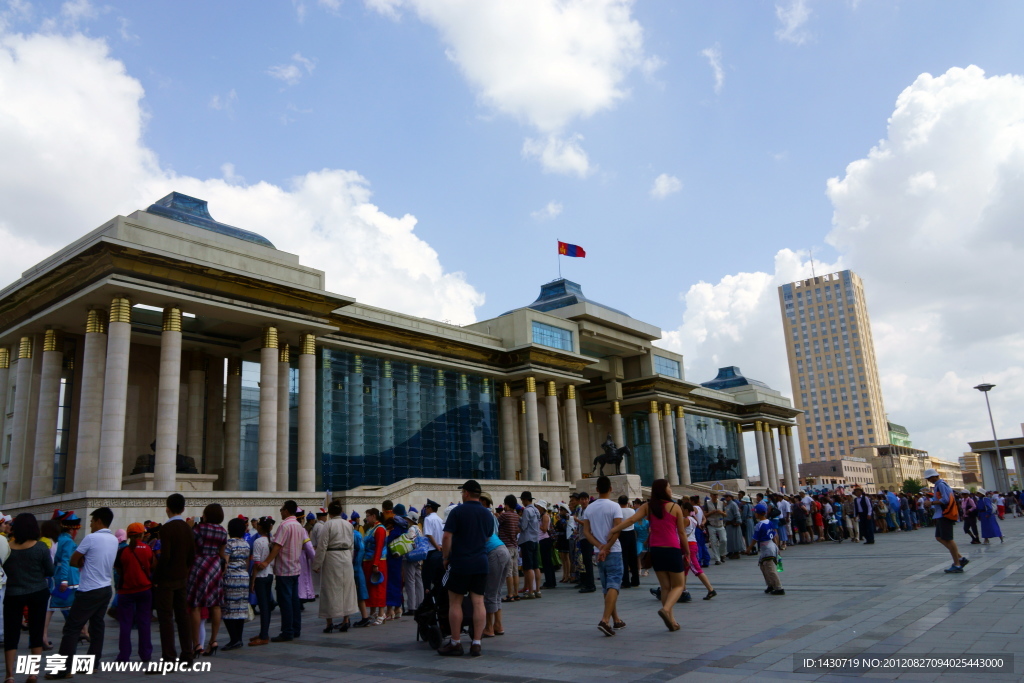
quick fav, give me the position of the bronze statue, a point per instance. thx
(611, 456)
(543, 452)
(723, 466)
(147, 463)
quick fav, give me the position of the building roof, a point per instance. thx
(192, 211)
(562, 293)
(898, 429)
(729, 377)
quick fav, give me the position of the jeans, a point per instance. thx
(262, 586)
(89, 607)
(611, 572)
(630, 563)
(135, 611)
(587, 550)
(288, 599)
(702, 546)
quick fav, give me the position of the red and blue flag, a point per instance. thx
(566, 249)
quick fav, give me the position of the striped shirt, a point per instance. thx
(291, 536)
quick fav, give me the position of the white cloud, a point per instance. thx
(125, 32)
(547, 63)
(550, 211)
(294, 71)
(793, 15)
(66, 98)
(930, 219)
(225, 102)
(664, 185)
(332, 6)
(714, 56)
(559, 155)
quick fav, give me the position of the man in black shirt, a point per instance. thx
(465, 536)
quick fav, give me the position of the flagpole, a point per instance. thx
(559, 259)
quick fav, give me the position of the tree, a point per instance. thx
(912, 486)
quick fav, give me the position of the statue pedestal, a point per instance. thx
(622, 485)
(733, 485)
(185, 482)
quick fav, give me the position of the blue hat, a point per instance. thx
(761, 508)
(412, 509)
(310, 517)
(344, 516)
(399, 510)
(355, 515)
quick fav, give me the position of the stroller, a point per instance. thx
(431, 616)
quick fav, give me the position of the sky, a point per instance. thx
(428, 154)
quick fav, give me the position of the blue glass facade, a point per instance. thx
(549, 335)
(249, 451)
(709, 440)
(380, 421)
(667, 366)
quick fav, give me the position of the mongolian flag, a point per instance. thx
(566, 249)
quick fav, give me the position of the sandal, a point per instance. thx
(508, 598)
(499, 633)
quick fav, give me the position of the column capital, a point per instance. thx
(679, 411)
(463, 382)
(522, 406)
(616, 408)
(121, 310)
(25, 348)
(307, 344)
(506, 390)
(5, 358)
(668, 410)
(270, 338)
(654, 408)
(234, 366)
(284, 354)
(50, 340)
(387, 368)
(414, 373)
(172, 319)
(531, 385)
(570, 392)
(590, 417)
(757, 426)
(552, 389)
(96, 321)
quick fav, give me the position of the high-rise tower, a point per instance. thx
(832, 365)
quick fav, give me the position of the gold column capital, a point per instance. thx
(270, 337)
(5, 358)
(485, 385)
(679, 411)
(757, 426)
(96, 321)
(570, 392)
(284, 354)
(121, 310)
(463, 382)
(590, 417)
(387, 368)
(506, 390)
(522, 407)
(172, 319)
(616, 408)
(307, 344)
(357, 364)
(440, 378)
(531, 385)
(668, 410)
(50, 340)
(552, 389)
(234, 366)
(654, 407)
(25, 348)
(414, 374)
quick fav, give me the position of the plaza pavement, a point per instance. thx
(890, 598)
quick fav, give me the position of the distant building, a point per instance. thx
(832, 366)
(949, 471)
(898, 435)
(994, 471)
(848, 471)
(970, 462)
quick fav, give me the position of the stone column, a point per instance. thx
(534, 472)
(793, 462)
(165, 465)
(115, 396)
(508, 437)
(787, 466)
(283, 415)
(524, 442)
(196, 409)
(555, 472)
(213, 449)
(266, 476)
(5, 375)
(669, 443)
(682, 447)
(233, 425)
(657, 451)
(306, 474)
(90, 409)
(742, 449)
(46, 421)
(762, 466)
(22, 393)
(595, 445)
(572, 435)
(617, 436)
(771, 457)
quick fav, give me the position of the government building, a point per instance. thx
(166, 351)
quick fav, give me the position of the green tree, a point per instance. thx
(912, 486)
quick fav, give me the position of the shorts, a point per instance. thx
(667, 559)
(528, 551)
(513, 566)
(610, 572)
(695, 567)
(944, 528)
(461, 584)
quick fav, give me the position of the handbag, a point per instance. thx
(251, 615)
(401, 545)
(420, 547)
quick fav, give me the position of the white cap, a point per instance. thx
(929, 473)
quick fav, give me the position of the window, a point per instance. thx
(555, 337)
(662, 365)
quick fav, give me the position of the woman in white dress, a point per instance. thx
(333, 562)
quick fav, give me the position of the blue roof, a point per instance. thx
(730, 377)
(184, 209)
(561, 293)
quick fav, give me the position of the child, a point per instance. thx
(768, 553)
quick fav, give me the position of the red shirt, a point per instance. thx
(134, 567)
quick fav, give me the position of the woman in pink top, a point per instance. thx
(667, 540)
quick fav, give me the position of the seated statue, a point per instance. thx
(183, 464)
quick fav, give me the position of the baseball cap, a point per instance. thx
(136, 529)
(472, 485)
(761, 508)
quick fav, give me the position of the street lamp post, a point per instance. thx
(1000, 463)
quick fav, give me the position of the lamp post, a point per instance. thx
(1000, 463)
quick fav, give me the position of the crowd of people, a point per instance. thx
(465, 562)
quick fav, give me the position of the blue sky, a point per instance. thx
(433, 104)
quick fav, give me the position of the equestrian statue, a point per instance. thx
(611, 456)
(723, 466)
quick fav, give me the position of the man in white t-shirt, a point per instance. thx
(95, 560)
(598, 520)
(784, 509)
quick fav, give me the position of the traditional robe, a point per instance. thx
(733, 529)
(334, 562)
(987, 517)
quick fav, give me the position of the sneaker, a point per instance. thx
(963, 561)
(955, 569)
(686, 597)
(451, 649)
(656, 592)
(711, 594)
(779, 591)
(474, 651)
(768, 590)
(604, 628)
